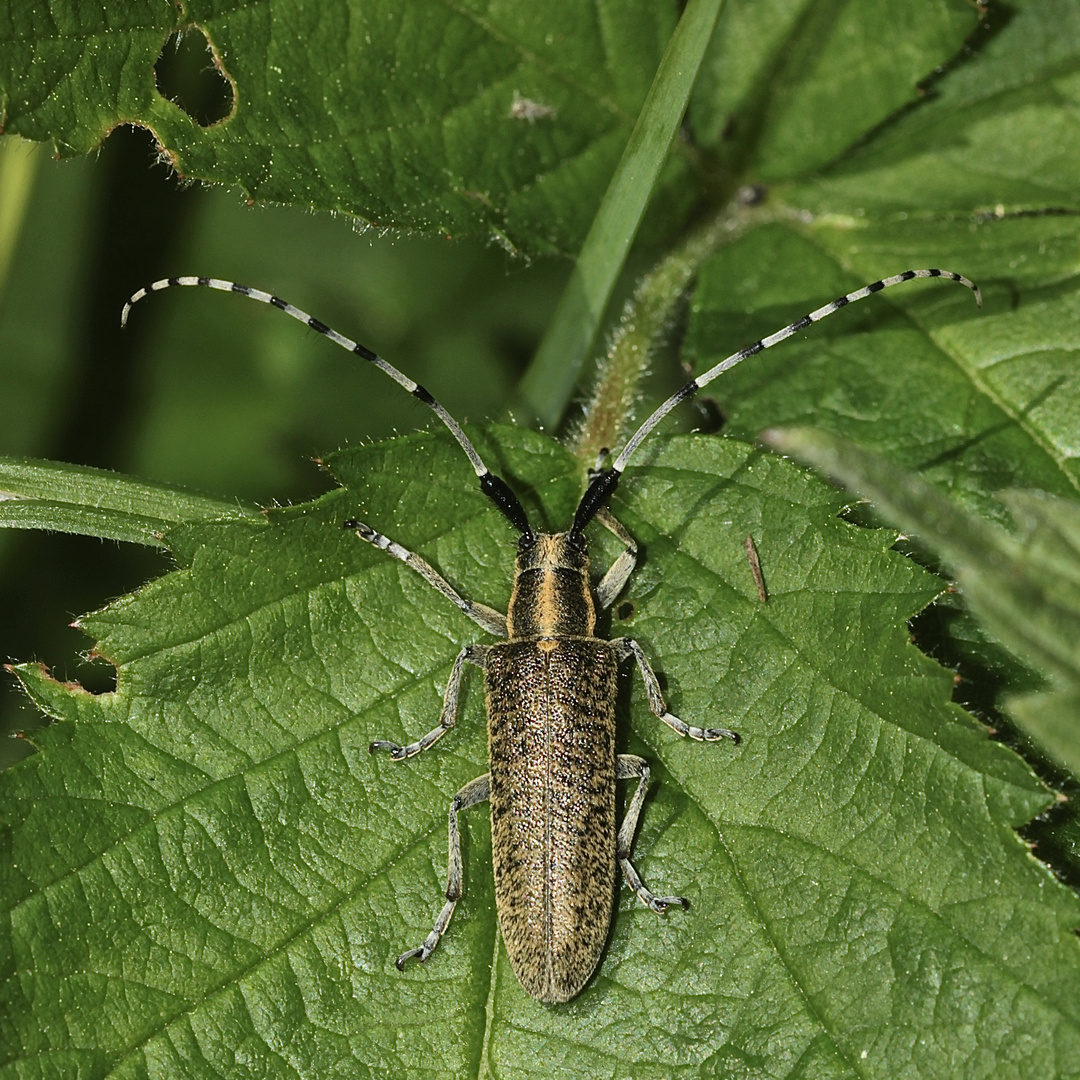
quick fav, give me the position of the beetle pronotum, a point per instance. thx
(550, 690)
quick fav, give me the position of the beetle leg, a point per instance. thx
(471, 654)
(620, 570)
(488, 618)
(476, 791)
(629, 647)
(627, 767)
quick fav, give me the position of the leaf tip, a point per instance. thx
(801, 442)
(41, 673)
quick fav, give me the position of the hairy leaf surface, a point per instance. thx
(210, 857)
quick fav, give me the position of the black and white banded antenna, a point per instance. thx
(604, 482)
(492, 485)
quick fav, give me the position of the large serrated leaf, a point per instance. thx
(208, 875)
(1025, 587)
(403, 115)
(211, 856)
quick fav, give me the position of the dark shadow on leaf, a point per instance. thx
(789, 63)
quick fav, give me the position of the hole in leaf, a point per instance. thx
(187, 73)
(624, 611)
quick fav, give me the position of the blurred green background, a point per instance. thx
(202, 389)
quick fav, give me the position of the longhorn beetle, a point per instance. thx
(550, 690)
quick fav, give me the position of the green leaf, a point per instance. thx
(1026, 588)
(403, 115)
(789, 85)
(1050, 719)
(999, 135)
(977, 177)
(973, 400)
(69, 73)
(1049, 533)
(95, 502)
(210, 858)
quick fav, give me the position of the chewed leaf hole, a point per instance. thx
(189, 75)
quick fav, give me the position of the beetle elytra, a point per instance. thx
(550, 690)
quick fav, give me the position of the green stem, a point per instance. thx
(547, 386)
(645, 318)
(18, 166)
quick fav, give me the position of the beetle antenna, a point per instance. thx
(603, 485)
(492, 485)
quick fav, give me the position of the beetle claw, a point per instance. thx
(397, 752)
(400, 962)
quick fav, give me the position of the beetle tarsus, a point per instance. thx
(660, 904)
(714, 733)
(397, 752)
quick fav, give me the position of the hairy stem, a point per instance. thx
(646, 317)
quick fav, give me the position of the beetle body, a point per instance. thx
(550, 689)
(550, 693)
